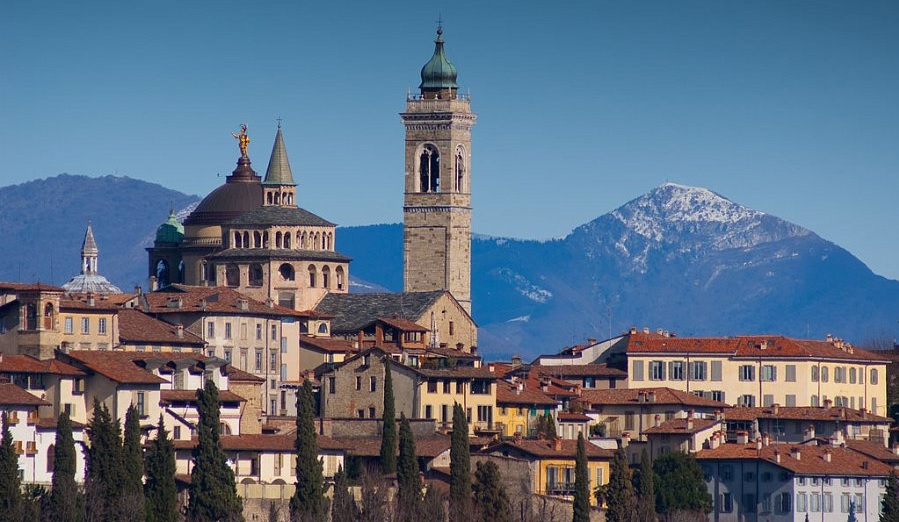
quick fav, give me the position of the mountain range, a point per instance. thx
(678, 258)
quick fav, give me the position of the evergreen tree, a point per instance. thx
(581, 506)
(161, 492)
(213, 492)
(646, 497)
(105, 474)
(308, 501)
(460, 466)
(620, 498)
(388, 437)
(408, 482)
(852, 517)
(680, 485)
(133, 466)
(889, 508)
(65, 501)
(490, 494)
(343, 507)
(550, 427)
(10, 482)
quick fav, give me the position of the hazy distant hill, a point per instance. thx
(679, 258)
(43, 225)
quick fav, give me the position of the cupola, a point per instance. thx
(438, 76)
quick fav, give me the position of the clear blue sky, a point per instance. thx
(789, 107)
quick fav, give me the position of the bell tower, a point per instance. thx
(437, 202)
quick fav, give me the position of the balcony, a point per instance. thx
(560, 489)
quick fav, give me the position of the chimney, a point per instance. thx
(718, 415)
(646, 329)
(837, 439)
(90, 299)
(864, 413)
(777, 456)
(557, 444)
(827, 404)
(633, 330)
(895, 445)
(243, 304)
(657, 421)
(519, 388)
(758, 444)
(714, 441)
(517, 437)
(591, 340)
(826, 454)
(775, 409)
(625, 439)
(766, 439)
(651, 396)
(691, 414)
(830, 338)
(179, 331)
(516, 361)
(810, 432)
(796, 453)
(689, 423)
(742, 437)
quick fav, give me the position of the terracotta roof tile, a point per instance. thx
(12, 395)
(402, 324)
(679, 426)
(327, 344)
(259, 442)
(138, 327)
(546, 449)
(170, 396)
(426, 447)
(662, 396)
(874, 449)
(29, 364)
(580, 370)
(116, 366)
(506, 394)
(215, 299)
(237, 375)
(810, 413)
(564, 416)
(843, 461)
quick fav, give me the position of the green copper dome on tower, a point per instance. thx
(172, 231)
(439, 73)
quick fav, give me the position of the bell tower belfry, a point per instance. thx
(437, 202)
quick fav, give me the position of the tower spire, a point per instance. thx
(278, 187)
(438, 76)
(89, 252)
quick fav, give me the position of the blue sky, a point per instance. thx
(789, 107)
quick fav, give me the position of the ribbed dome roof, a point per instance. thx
(439, 73)
(241, 193)
(172, 231)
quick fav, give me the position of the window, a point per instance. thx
(69, 327)
(801, 502)
(452, 328)
(228, 354)
(629, 420)
(814, 374)
(790, 373)
(140, 404)
(839, 374)
(852, 377)
(360, 414)
(446, 386)
(873, 379)
(814, 402)
(358, 383)
(845, 500)
(767, 400)
(676, 370)
(859, 503)
(372, 383)
(727, 503)
(86, 326)
(746, 400)
(258, 360)
(715, 370)
(101, 325)
(747, 372)
(769, 373)
(480, 387)
(765, 506)
(749, 476)
(460, 387)
(272, 360)
(718, 395)
(429, 412)
(210, 330)
(332, 385)
(790, 400)
(825, 374)
(258, 332)
(828, 503)
(274, 332)
(698, 371)
(371, 412)
(227, 330)
(727, 473)
(637, 374)
(657, 370)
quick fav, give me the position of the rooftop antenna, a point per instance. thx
(439, 21)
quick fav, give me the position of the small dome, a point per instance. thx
(241, 193)
(172, 231)
(439, 73)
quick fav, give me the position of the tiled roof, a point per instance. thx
(754, 346)
(679, 426)
(218, 300)
(564, 416)
(30, 287)
(276, 215)
(506, 394)
(29, 364)
(116, 366)
(138, 327)
(284, 254)
(327, 344)
(427, 447)
(12, 395)
(79, 302)
(191, 396)
(810, 413)
(259, 442)
(49, 424)
(662, 396)
(843, 461)
(351, 312)
(402, 324)
(237, 375)
(450, 352)
(874, 449)
(580, 370)
(459, 372)
(546, 449)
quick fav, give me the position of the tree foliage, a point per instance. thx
(645, 490)
(889, 508)
(160, 491)
(490, 495)
(546, 427)
(10, 482)
(619, 492)
(680, 485)
(104, 486)
(408, 482)
(433, 506)
(308, 502)
(213, 492)
(133, 466)
(343, 507)
(65, 501)
(388, 436)
(460, 466)
(374, 497)
(581, 506)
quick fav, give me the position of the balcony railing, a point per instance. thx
(563, 489)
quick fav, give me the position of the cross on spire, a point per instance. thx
(279, 121)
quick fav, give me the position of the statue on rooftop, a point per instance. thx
(242, 140)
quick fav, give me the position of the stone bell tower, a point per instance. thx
(437, 203)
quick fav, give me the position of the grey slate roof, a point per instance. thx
(274, 215)
(278, 172)
(280, 253)
(353, 311)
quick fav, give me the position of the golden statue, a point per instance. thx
(242, 140)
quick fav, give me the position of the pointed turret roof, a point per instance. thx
(89, 246)
(439, 73)
(278, 172)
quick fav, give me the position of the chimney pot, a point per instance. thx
(827, 455)
(557, 444)
(180, 331)
(796, 453)
(777, 456)
(775, 409)
(742, 437)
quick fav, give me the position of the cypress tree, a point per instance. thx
(460, 466)
(65, 501)
(889, 508)
(213, 492)
(408, 483)
(852, 517)
(343, 507)
(388, 436)
(308, 501)
(581, 506)
(490, 494)
(646, 496)
(620, 498)
(550, 427)
(681, 484)
(10, 482)
(133, 466)
(160, 491)
(105, 473)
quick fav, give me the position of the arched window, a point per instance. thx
(429, 169)
(162, 273)
(286, 271)
(324, 241)
(31, 316)
(338, 274)
(323, 328)
(330, 241)
(287, 240)
(302, 240)
(181, 271)
(326, 277)
(312, 273)
(51, 458)
(255, 274)
(278, 239)
(232, 275)
(48, 316)
(265, 240)
(237, 238)
(269, 198)
(315, 241)
(460, 170)
(246, 240)
(257, 240)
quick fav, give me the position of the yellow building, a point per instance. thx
(518, 407)
(760, 370)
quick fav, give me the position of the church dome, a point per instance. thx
(242, 192)
(439, 73)
(172, 231)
